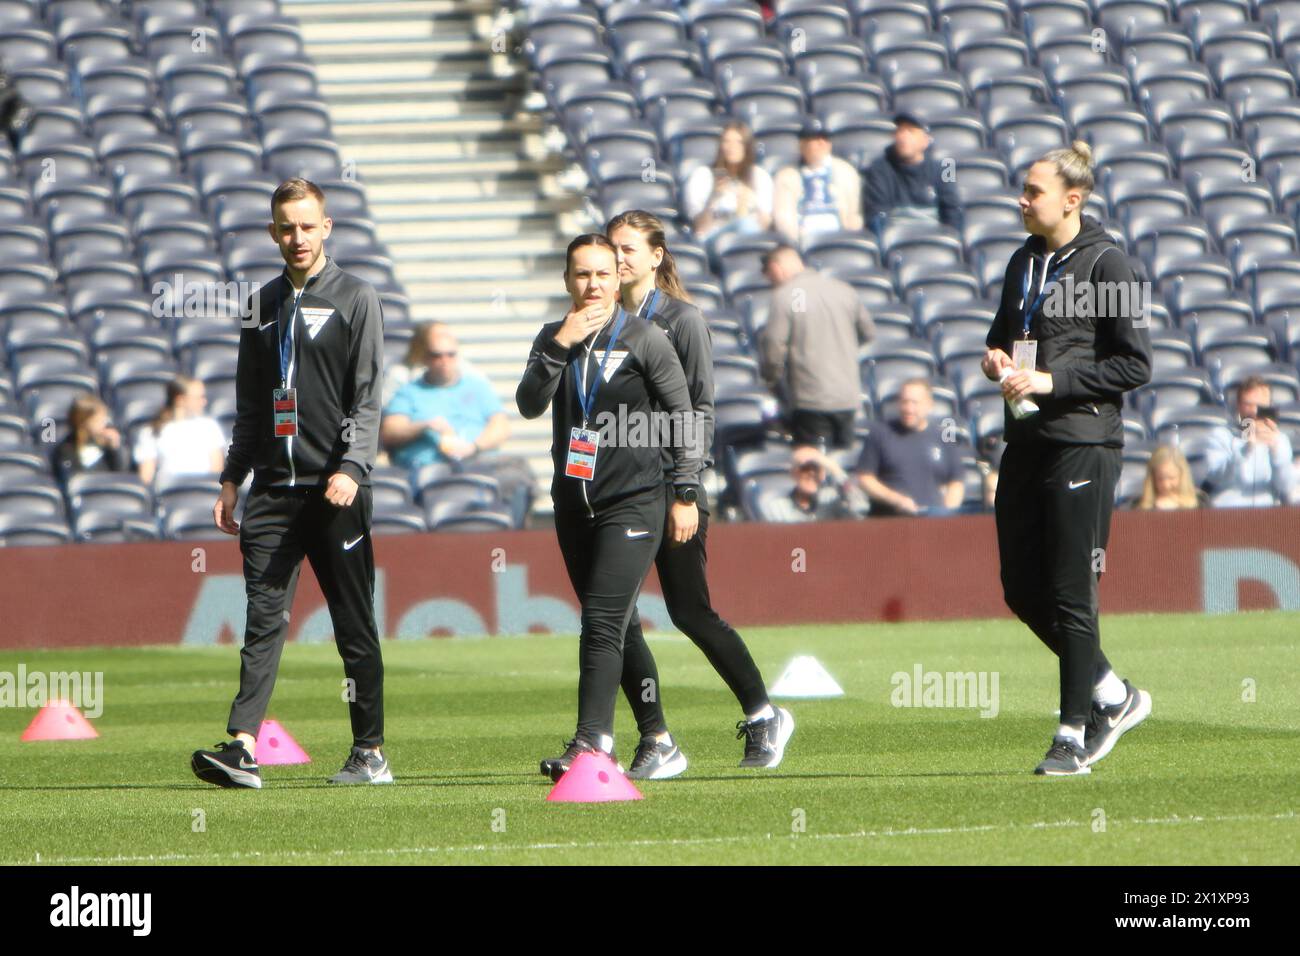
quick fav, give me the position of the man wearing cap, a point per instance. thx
(822, 195)
(905, 183)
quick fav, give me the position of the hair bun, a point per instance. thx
(1083, 150)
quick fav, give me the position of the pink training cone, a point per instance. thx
(59, 720)
(593, 778)
(275, 746)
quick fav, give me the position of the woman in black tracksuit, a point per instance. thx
(600, 372)
(1068, 338)
(653, 292)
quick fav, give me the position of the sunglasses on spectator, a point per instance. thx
(442, 355)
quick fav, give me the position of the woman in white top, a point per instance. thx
(732, 195)
(409, 368)
(181, 440)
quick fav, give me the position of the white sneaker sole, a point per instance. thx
(240, 778)
(1082, 771)
(1135, 717)
(385, 777)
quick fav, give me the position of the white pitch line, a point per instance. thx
(272, 855)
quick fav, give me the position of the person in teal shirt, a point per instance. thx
(445, 414)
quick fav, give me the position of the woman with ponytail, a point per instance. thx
(652, 292)
(1067, 342)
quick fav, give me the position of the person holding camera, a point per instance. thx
(1253, 467)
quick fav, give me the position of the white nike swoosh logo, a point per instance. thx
(266, 325)
(1079, 484)
(636, 534)
(349, 545)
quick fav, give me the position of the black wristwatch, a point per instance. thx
(686, 494)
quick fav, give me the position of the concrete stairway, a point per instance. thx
(461, 175)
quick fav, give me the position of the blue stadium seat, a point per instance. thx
(407, 520)
(444, 497)
(30, 493)
(21, 529)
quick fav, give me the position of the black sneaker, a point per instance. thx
(765, 740)
(1064, 758)
(656, 760)
(557, 767)
(364, 766)
(229, 765)
(1107, 724)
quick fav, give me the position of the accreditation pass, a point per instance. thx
(285, 404)
(1024, 354)
(583, 444)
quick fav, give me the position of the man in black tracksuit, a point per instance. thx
(308, 386)
(1056, 485)
(609, 524)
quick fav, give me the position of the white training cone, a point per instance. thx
(805, 677)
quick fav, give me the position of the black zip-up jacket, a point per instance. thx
(888, 183)
(1093, 356)
(337, 368)
(693, 343)
(643, 376)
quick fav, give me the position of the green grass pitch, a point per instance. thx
(1209, 779)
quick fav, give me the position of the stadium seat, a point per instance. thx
(23, 529)
(454, 494)
(120, 493)
(28, 493)
(475, 520)
(405, 520)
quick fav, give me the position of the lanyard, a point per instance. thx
(653, 299)
(286, 341)
(587, 399)
(1028, 315)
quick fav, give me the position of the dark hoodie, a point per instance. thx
(888, 183)
(1093, 356)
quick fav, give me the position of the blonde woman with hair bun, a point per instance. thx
(1067, 341)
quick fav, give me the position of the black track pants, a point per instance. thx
(279, 529)
(683, 575)
(608, 557)
(1053, 510)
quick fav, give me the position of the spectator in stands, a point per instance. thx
(1168, 484)
(822, 195)
(92, 443)
(1253, 467)
(181, 440)
(447, 414)
(909, 466)
(15, 112)
(810, 349)
(411, 366)
(906, 183)
(734, 195)
(811, 498)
